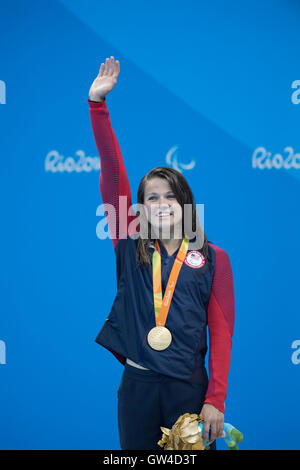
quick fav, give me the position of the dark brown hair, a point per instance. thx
(184, 195)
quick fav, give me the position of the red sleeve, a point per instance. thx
(220, 315)
(113, 180)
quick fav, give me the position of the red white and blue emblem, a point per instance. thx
(194, 259)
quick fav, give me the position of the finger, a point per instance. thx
(213, 431)
(222, 426)
(106, 66)
(112, 64)
(205, 430)
(117, 68)
(109, 67)
(101, 70)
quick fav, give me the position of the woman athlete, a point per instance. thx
(169, 290)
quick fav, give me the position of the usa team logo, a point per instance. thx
(194, 259)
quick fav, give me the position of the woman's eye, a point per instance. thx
(153, 197)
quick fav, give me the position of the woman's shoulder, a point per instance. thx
(216, 248)
(125, 244)
(220, 253)
(222, 268)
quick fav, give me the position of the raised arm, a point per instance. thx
(113, 179)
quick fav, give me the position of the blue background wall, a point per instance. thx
(211, 83)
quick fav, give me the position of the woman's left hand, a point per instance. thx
(212, 418)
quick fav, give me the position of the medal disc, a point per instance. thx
(159, 338)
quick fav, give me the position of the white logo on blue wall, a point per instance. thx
(57, 163)
(2, 352)
(2, 92)
(296, 354)
(172, 159)
(296, 94)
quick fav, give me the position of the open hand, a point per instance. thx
(105, 80)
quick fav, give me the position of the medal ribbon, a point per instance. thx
(161, 306)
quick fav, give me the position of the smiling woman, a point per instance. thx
(172, 284)
(165, 190)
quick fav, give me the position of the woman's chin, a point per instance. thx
(162, 230)
(165, 226)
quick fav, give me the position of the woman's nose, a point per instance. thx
(162, 201)
(164, 205)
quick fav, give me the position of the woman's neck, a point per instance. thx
(171, 244)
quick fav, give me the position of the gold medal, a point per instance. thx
(159, 338)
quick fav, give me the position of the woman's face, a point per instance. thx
(162, 208)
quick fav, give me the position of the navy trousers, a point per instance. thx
(148, 400)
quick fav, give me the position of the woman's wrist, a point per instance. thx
(94, 100)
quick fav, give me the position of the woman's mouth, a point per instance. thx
(164, 215)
